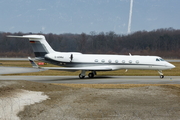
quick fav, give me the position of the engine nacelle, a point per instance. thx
(61, 57)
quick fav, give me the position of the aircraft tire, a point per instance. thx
(161, 76)
(81, 76)
(91, 75)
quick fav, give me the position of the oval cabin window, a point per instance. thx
(123, 61)
(96, 60)
(137, 61)
(102, 60)
(109, 61)
(130, 61)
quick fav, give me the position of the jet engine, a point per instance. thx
(61, 57)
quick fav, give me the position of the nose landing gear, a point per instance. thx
(161, 74)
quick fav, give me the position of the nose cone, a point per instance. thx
(170, 66)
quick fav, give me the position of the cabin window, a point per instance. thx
(102, 60)
(109, 61)
(96, 60)
(130, 61)
(123, 61)
(137, 61)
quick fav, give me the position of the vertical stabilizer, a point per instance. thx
(39, 44)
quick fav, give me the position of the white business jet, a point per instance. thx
(73, 61)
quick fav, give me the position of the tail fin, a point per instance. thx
(39, 44)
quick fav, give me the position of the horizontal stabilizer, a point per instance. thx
(34, 65)
(27, 36)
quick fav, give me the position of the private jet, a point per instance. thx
(74, 61)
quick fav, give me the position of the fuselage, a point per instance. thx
(72, 59)
(91, 62)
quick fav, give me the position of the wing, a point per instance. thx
(89, 68)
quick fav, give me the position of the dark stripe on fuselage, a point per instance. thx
(54, 62)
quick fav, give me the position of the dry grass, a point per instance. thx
(115, 86)
(173, 72)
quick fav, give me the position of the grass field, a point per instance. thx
(172, 72)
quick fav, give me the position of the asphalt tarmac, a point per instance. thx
(98, 79)
(13, 70)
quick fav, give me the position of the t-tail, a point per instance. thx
(39, 44)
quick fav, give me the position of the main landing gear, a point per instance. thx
(161, 74)
(83, 74)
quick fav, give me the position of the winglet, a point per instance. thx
(34, 65)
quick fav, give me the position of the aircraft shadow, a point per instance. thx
(74, 79)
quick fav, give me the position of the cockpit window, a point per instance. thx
(157, 59)
(162, 59)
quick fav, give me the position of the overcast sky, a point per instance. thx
(77, 16)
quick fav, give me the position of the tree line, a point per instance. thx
(163, 42)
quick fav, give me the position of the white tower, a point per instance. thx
(130, 17)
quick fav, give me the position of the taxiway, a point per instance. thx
(98, 79)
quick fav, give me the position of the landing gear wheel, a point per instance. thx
(161, 76)
(91, 75)
(81, 76)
